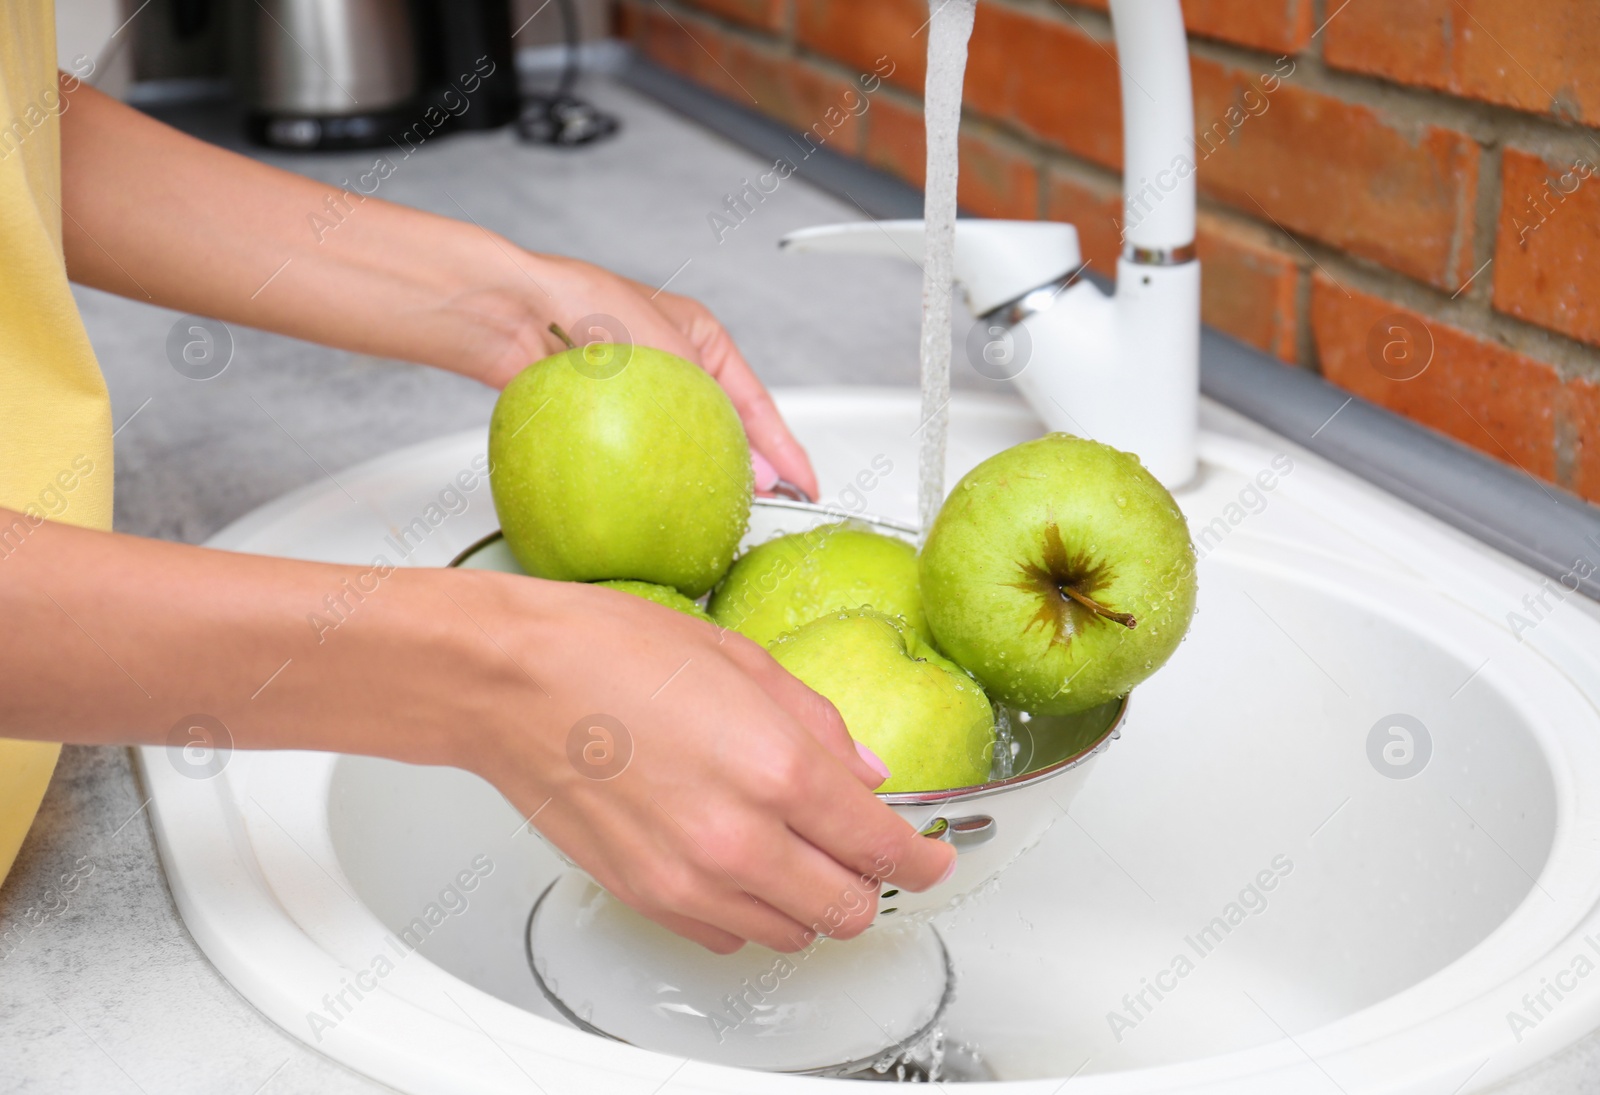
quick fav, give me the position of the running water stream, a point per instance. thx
(949, 27)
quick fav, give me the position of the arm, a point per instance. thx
(153, 214)
(768, 820)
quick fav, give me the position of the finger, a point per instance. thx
(691, 325)
(651, 328)
(644, 322)
(697, 868)
(768, 433)
(814, 713)
(865, 835)
(818, 717)
(733, 909)
(720, 357)
(712, 939)
(711, 884)
(765, 474)
(814, 890)
(709, 936)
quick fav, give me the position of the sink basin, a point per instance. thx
(1349, 840)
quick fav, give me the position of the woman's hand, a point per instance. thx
(680, 766)
(512, 315)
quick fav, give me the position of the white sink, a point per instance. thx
(1407, 921)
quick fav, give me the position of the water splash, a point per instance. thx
(921, 1062)
(950, 25)
(1004, 765)
(932, 1059)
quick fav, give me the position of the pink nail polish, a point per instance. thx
(766, 474)
(872, 760)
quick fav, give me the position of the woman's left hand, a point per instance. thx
(584, 300)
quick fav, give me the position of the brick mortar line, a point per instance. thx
(1319, 18)
(1568, 441)
(841, 69)
(787, 44)
(1097, 23)
(1019, 145)
(1244, 230)
(1305, 338)
(1486, 227)
(1493, 125)
(1570, 358)
(1041, 196)
(782, 44)
(1058, 157)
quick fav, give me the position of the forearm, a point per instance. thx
(115, 639)
(156, 215)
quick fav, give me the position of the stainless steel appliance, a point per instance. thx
(330, 73)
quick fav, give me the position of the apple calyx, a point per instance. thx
(1065, 584)
(555, 329)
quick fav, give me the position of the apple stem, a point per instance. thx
(555, 329)
(1124, 618)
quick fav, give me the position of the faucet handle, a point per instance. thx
(996, 261)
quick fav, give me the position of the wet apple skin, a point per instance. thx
(1049, 513)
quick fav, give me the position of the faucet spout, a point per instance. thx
(1158, 166)
(1148, 399)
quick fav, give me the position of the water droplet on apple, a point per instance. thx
(1121, 501)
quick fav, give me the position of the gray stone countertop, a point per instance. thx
(101, 988)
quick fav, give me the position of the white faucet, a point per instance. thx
(1123, 369)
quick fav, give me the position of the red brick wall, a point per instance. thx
(1383, 182)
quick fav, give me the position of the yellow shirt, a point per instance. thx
(55, 416)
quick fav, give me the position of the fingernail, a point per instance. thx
(766, 474)
(872, 760)
(948, 871)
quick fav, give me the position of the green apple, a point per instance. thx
(927, 720)
(791, 580)
(661, 595)
(1060, 573)
(617, 461)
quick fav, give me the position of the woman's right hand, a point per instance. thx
(679, 764)
(741, 810)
